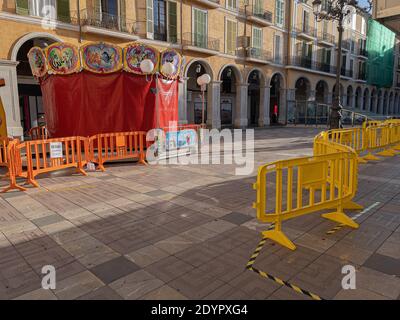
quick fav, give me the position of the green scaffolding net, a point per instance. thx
(380, 48)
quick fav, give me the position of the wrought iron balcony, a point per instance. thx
(345, 45)
(259, 54)
(326, 37)
(346, 73)
(193, 40)
(307, 30)
(301, 61)
(363, 52)
(308, 63)
(108, 21)
(257, 14)
(361, 76)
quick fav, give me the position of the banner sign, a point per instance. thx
(101, 57)
(170, 55)
(56, 150)
(37, 61)
(135, 53)
(62, 58)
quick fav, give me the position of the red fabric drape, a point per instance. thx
(85, 104)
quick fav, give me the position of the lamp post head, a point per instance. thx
(317, 6)
(147, 66)
(168, 69)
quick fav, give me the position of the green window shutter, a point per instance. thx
(172, 22)
(200, 28)
(258, 7)
(63, 12)
(231, 35)
(257, 38)
(123, 22)
(279, 12)
(22, 7)
(96, 13)
(150, 18)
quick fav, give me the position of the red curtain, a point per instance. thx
(85, 104)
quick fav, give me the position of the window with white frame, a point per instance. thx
(279, 12)
(232, 5)
(230, 36)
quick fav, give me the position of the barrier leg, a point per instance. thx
(361, 160)
(386, 153)
(351, 205)
(101, 167)
(340, 217)
(371, 157)
(32, 181)
(279, 237)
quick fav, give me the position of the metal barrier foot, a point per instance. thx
(15, 186)
(386, 153)
(361, 160)
(32, 182)
(371, 157)
(351, 205)
(341, 218)
(279, 237)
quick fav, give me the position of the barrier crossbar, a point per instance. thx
(107, 147)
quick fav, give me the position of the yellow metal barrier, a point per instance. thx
(291, 188)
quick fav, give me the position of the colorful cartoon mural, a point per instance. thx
(37, 61)
(170, 55)
(135, 53)
(62, 58)
(101, 57)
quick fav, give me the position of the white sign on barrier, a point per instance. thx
(56, 150)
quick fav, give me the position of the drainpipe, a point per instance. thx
(181, 27)
(79, 20)
(288, 48)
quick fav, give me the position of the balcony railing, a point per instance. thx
(109, 21)
(363, 52)
(306, 29)
(346, 73)
(259, 54)
(362, 76)
(324, 67)
(308, 63)
(326, 37)
(303, 62)
(346, 44)
(200, 41)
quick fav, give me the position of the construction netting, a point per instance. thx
(380, 48)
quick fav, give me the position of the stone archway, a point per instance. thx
(277, 106)
(349, 97)
(257, 113)
(321, 92)
(302, 95)
(372, 103)
(230, 95)
(365, 100)
(358, 98)
(194, 106)
(29, 92)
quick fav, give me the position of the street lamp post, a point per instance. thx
(337, 10)
(203, 81)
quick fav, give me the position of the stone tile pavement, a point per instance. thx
(187, 232)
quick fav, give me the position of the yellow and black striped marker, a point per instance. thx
(287, 284)
(263, 274)
(335, 229)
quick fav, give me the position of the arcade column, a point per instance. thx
(182, 100)
(9, 96)
(264, 118)
(241, 120)
(213, 105)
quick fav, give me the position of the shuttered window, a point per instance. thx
(258, 7)
(63, 12)
(22, 7)
(257, 38)
(277, 49)
(150, 18)
(172, 22)
(231, 36)
(231, 4)
(200, 28)
(279, 12)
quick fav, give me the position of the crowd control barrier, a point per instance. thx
(38, 133)
(4, 142)
(288, 189)
(117, 146)
(304, 186)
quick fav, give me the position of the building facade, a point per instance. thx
(266, 59)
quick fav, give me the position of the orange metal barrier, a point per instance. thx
(14, 165)
(38, 133)
(4, 142)
(117, 146)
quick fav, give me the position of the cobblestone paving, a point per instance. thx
(187, 232)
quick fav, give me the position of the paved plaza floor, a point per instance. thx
(187, 232)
